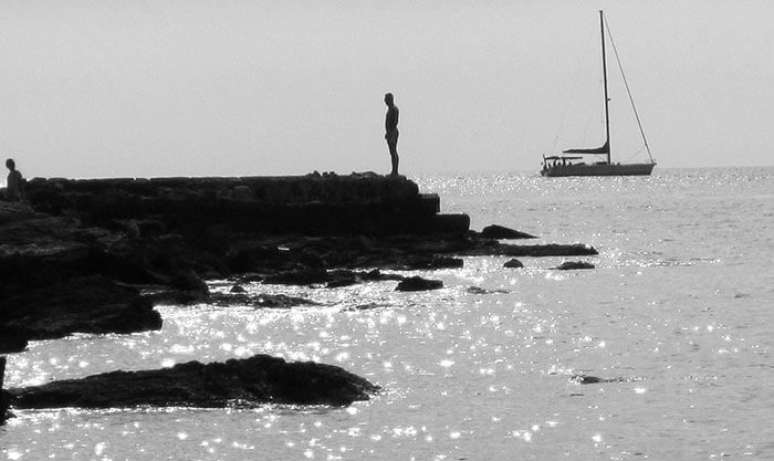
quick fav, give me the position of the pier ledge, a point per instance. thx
(314, 204)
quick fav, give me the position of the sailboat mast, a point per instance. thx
(604, 77)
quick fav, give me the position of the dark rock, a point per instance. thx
(341, 282)
(500, 232)
(481, 291)
(327, 204)
(176, 298)
(248, 382)
(429, 263)
(376, 275)
(92, 304)
(513, 264)
(188, 281)
(417, 283)
(5, 403)
(586, 379)
(12, 340)
(298, 277)
(572, 265)
(257, 301)
(237, 289)
(363, 307)
(5, 399)
(250, 277)
(551, 249)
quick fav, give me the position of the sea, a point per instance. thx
(676, 319)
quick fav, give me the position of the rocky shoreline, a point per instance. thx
(94, 256)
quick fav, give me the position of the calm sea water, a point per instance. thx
(680, 308)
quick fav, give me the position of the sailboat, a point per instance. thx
(567, 164)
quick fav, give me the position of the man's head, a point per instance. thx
(388, 99)
(10, 164)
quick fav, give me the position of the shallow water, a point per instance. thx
(678, 310)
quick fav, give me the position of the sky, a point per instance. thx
(194, 87)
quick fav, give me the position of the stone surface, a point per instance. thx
(4, 397)
(513, 264)
(313, 204)
(474, 290)
(417, 283)
(500, 232)
(550, 249)
(92, 304)
(573, 265)
(247, 382)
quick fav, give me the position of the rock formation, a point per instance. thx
(247, 382)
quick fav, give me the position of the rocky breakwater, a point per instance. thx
(94, 255)
(200, 207)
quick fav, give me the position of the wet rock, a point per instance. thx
(4, 397)
(91, 304)
(428, 263)
(298, 277)
(11, 341)
(586, 379)
(573, 265)
(5, 403)
(481, 291)
(500, 232)
(363, 307)
(417, 283)
(258, 301)
(494, 248)
(247, 382)
(342, 282)
(513, 264)
(188, 281)
(237, 289)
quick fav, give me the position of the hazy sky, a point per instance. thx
(194, 87)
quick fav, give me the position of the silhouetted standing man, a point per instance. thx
(391, 129)
(15, 186)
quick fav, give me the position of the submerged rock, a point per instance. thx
(417, 283)
(298, 277)
(260, 300)
(424, 262)
(246, 382)
(481, 291)
(494, 248)
(500, 232)
(513, 264)
(237, 289)
(586, 379)
(573, 265)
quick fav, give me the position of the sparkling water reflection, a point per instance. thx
(676, 316)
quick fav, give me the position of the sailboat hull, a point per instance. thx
(600, 169)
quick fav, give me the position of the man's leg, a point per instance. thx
(392, 143)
